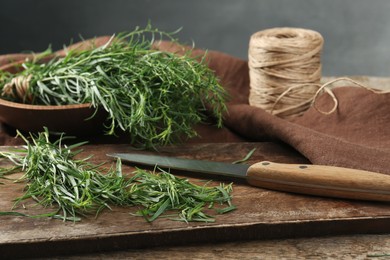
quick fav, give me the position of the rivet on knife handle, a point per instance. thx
(320, 180)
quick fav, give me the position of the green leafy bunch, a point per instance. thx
(155, 96)
(56, 177)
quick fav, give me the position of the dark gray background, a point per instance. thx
(356, 32)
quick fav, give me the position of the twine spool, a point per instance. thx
(281, 62)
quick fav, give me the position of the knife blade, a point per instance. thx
(318, 180)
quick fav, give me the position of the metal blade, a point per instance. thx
(208, 167)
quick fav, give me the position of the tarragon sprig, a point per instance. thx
(155, 96)
(75, 187)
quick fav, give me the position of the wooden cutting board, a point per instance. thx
(260, 214)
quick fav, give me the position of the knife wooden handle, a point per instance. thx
(328, 181)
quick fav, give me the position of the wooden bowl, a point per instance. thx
(70, 119)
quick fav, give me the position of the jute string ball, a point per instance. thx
(284, 70)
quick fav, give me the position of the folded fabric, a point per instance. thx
(356, 135)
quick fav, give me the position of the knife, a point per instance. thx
(326, 181)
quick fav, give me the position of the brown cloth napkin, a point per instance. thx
(357, 135)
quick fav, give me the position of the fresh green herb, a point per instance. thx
(163, 191)
(55, 178)
(246, 158)
(153, 95)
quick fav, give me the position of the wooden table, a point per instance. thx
(261, 214)
(333, 247)
(267, 224)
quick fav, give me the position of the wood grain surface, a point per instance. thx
(317, 248)
(261, 214)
